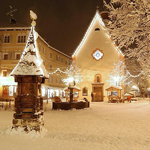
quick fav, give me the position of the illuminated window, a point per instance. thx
(5, 56)
(57, 92)
(85, 91)
(7, 39)
(43, 91)
(4, 73)
(21, 39)
(10, 90)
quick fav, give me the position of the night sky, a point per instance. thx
(62, 23)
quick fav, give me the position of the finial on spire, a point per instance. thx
(97, 7)
(33, 16)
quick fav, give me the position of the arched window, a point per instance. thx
(98, 78)
(85, 91)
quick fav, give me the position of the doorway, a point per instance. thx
(97, 90)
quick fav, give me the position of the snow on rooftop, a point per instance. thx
(30, 62)
(116, 87)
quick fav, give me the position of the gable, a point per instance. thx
(96, 39)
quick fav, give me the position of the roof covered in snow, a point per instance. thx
(114, 87)
(30, 62)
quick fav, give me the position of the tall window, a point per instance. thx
(50, 67)
(7, 39)
(5, 56)
(98, 78)
(62, 60)
(39, 47)
(50, 80)
(44, 50)
(17, 56)
(85, 91)
(51, 55)
(21, 39)
(57, 57)
(57, 80)
(66, 62)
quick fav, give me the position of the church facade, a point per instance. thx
(95, 56)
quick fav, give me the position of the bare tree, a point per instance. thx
(129, 27)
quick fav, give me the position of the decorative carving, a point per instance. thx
(97, 54)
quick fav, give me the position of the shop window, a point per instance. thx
(85, 91)
(5, 91)
(10, 90)
(43, 91)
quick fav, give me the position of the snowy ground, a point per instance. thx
(104, 126)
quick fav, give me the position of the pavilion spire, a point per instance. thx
(30, 62)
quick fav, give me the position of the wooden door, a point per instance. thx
(98, 94)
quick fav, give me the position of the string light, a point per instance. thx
(96, 17)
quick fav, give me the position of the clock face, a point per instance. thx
(97, 54)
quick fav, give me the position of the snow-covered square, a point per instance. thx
(104, 126)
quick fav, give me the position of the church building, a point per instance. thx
(95, 56)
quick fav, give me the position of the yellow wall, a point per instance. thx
(14, 48)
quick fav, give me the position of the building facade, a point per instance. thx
(96, 56)
(13, 38)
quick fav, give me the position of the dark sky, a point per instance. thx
(62, 23)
